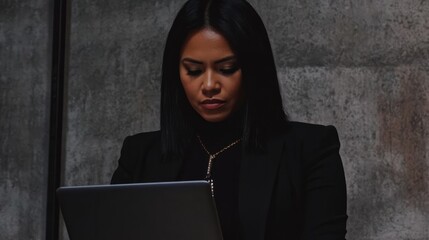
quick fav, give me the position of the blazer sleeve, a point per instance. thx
(324, 190)
(124, 171)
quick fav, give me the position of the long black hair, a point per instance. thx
(239, 23)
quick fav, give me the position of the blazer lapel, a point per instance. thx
(257, 177)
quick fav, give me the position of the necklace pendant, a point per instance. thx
(211, 158)
(209, 167)
(211, 187)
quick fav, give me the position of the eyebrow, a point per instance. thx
(225, 59)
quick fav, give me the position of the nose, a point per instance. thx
(211, 85)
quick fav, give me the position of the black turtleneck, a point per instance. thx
(225, 167)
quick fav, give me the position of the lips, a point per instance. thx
(212, 104)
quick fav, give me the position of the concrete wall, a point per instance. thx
(25, 61)
(363, 67)
(359, 65)
(113, 87)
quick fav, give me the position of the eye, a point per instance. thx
(229, 70)
(194, 72)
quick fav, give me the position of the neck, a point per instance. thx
(220, 133)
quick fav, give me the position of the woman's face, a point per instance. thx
(210, 75)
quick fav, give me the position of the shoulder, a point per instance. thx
(137, 145)
(312, 140)
(304, 130)
(310, 133)
(143, 136)
(142, 139)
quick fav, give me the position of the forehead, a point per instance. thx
(206, 44)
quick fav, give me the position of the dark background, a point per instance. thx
(359, 65)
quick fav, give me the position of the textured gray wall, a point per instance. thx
(113, 87)
(361, 66)
(25, 60)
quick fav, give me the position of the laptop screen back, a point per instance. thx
(168, 210)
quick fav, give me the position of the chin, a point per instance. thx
(214, 118)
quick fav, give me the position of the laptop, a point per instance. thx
(148, 211)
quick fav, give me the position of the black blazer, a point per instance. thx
(294, 190)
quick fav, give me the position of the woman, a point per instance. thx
(222, 120)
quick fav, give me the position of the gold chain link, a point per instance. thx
(211, 158)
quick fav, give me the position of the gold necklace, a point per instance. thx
(211, 158)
